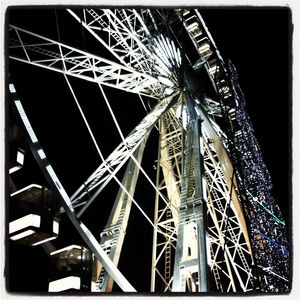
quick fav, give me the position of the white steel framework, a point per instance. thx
(200, 237)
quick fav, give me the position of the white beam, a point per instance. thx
(46, 53)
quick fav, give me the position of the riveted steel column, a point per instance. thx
(112, 237)
(190, 268)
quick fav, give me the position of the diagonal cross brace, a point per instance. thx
(58, 188)
(37, 50)
(108, 168)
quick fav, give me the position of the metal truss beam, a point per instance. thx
(40, 51)
(166, 217)
(58, 188)
(227, 241)
(112, 237)
(108, 168)
(268, 232)
(228, 247)
(215, 140)
(190, 266)
(194, 171)
(123, 33)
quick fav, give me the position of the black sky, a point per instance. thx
(256, 40)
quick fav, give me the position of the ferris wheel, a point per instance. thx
(156, 82)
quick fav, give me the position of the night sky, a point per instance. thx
(257, 42)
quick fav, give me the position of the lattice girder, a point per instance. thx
(40, 51)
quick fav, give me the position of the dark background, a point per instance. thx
(258, 43)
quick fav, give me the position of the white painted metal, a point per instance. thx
(56, 185)
(122, 32)
(55, 56)
(127, 38)
(230, 254)
(190, 262)
(64, 284)
(166, 216)
(103, 174)
(112, 236)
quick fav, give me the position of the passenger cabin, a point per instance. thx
(73, 269)
(33, 215)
